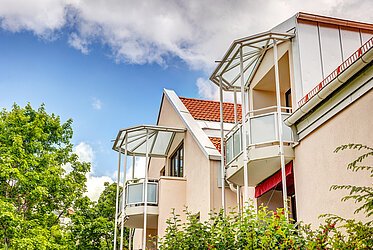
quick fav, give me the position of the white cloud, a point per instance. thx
(95, 184)
(141, 32)
(96, 103)
(139, 169)
(208, 90)
(84, 152)
(78, 43)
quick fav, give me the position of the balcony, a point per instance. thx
(134, 203)
(262, 138)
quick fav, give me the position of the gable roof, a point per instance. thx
(210, 110)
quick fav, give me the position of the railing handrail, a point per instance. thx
(140, 180)
(267, 108)
(239, 124)
(234, 150)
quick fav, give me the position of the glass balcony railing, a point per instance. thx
(260, 129)
(135, 193)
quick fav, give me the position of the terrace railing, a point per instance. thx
(262, 128)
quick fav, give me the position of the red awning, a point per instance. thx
(274, 180)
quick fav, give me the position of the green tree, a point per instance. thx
(92, 224)
(35, 189)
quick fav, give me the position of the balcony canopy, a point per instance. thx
(253, 50)
(158, 139)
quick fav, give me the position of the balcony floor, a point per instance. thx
(135, 217)
(263, 162)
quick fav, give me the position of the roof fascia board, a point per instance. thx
(301, 16)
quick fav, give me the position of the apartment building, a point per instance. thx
(305, 88)
(182, 153)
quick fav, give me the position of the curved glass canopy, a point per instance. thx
(157, 139)
(253, 50)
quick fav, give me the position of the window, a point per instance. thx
(177, 162)
(288, 99)
(162, 172)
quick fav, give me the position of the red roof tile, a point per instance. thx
(210, 110)
(216, 142)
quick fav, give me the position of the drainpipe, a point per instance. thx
(280, 132)
(244, 143)
(222, 161)
(237, 191)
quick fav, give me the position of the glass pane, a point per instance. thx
(263, 129)
(161, 143)
(181, 166)
(229, 149)
(286, 131)
(236, 143)
(134, 193)
(152, 193)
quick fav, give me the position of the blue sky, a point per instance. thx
(70, 83)
(105, 63)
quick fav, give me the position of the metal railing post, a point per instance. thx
(117, 200)
(123, 193)
(280, 131)
(222, 161)
(244, 143)
(145, 190)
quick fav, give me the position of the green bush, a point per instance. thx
(264, 229)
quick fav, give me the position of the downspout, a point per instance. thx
(237, 191)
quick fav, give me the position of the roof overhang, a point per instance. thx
(253, 50)
(138, 140)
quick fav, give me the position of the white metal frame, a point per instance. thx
(140, 135)
(246, 64)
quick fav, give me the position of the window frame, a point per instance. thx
(180, 158)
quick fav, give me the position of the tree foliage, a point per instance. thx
(362, 195)
(92, 224)
(35, 189)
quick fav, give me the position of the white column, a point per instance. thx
(222, 161)
(280, 124)
(244, 142)
(117, 200)
(123, 192)
(145, 190)
(130, 239)
(133, 166)
(235, 105)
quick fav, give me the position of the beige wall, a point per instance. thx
(316, 167)
(172, 195)
(198, 190)
(230, 196)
